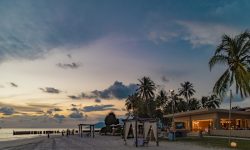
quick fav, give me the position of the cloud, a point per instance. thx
(97, 100)
(57, 109)
(98, 108)
(59, 117)
(82, 96)
(50, 111)
(236, 98)
(7, 110)
(118, 90)
(74, 97)
(74, 105)
(195, 32)
(73, 109)
(40, 105)
(204, 33)
(29, 31)
(72, 65)
(158, 36)
(50, 90)
(29, 107)
(76, 115)
(13, 84)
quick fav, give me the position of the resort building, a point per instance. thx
(214, 121)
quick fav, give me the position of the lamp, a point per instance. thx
(233, 144)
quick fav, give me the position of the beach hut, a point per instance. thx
(141, 129)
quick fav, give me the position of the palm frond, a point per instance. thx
(217, 59)
(221, 85)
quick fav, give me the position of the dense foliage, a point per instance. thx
(149, 102)
(233, 52)
(111, 119)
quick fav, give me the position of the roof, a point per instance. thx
(85, 124)
(141, 119)
(206, 111)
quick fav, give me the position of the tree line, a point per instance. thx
(232, 52)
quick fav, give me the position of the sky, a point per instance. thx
(64, 62)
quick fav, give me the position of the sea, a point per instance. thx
(6, 134)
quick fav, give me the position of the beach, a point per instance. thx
(57, 142)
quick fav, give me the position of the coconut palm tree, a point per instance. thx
(210, 102)
(146, 89)
(187, 91)
(133, 103)
(175, 104)
(161, 99)
(233, 52)
(194, 104)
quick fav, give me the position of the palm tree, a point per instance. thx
(187, 90)
(233, 52)
(210, 102)
(181, 105)
(194, 104)
(161, 99)
(146, 89)
(175, 102)
(132, 103)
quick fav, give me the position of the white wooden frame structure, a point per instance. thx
(149, 125)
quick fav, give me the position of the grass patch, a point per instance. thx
(215, 142)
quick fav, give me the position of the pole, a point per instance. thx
(230, 108)
(136, 137)
(173, 107)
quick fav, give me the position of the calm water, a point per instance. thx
(7, 134)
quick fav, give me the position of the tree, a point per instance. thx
(134, 105)
(146, 89)
(161, 99)
(236, 107)
(111, 119)
(194, 104)
(233, 52)
(210, 102)
(187, 91)
(132, 102)
(175, 103)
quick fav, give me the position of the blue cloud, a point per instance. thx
(98, 108)
(7, 110)
(117, 90)
(50, 90)
(76, 115)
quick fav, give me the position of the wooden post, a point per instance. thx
(93, 131)
(81, 130)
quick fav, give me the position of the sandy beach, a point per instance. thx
(97, 143)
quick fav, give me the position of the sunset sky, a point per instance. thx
(64, 62)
